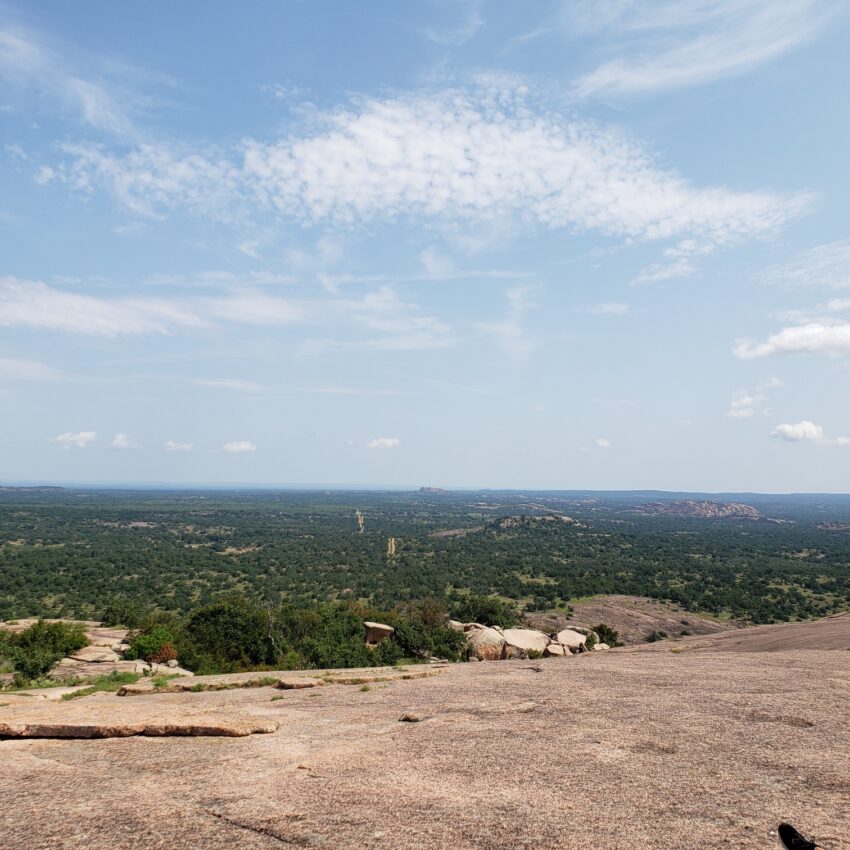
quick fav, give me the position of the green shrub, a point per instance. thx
(487, 610)
(656, 636)
(608, 635)
(149, 644)
(421, 631)
(35, 650)
(228, 636)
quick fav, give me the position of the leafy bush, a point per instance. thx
(35, 650)
(656, 636)
(487, 610)
(228, 636)
(608, 635)
(149, 644)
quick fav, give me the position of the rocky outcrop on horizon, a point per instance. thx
(704, 509)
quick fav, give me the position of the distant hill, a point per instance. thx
(38, 489)
(690, 508)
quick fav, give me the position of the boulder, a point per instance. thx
(456, 625)
(555, 649)
(582, 630)
(486, 644)
(377, 632)
(95, 655)
(471, 627)
(526, 639)
(598, 646)
(571, 639)
(168, 670)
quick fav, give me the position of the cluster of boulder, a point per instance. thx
(493, 643)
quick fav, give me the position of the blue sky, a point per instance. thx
(553, 245)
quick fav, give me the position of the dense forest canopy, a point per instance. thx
(73, 552)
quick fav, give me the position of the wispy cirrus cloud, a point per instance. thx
(34, 304)
(510, 332)
(13, 369)
(454, 36)
(609, 308)
(822, 267)
(230, 384)
(657, 46)
(94, 99)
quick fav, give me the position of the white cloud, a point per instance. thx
(239, 446)
(27, 62)
(510, 333)
(25, 370)
(477, 156)
(122, 441)
(805, 430)
(435, 264)
(230, 384)
(678, 43)
(34, 304)
(255, 309)
(602, 443)
(78, 440)
(383, 443)
(746, 404)
(824, 266)
(464, 31)
(811, 338)
(658, 272)
(380, 321)
(609, 308)
(175, 446)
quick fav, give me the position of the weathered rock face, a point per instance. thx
(95, 655)
(227, 728)
(526, 639)
(486, 644)
(377, 632)
(571, 639)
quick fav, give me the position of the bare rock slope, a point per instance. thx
(635, 748)
(634, 617)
